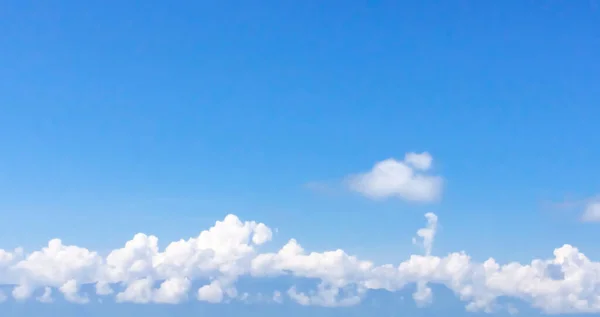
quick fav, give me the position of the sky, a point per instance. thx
(337, 158)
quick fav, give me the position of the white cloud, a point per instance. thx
(420, 161)
(423, 295)
(262, 234)
(7, 258)
(405, 179)
(103, 288)
(55, 265)
(326, 296)
(299, 298)
(566, 282)
(22, 291)
(46, 296)
(2, 297)
(591, 212)
(427, 234)
(71, 291)
(138, 291)
(172, 291)
(211, 293)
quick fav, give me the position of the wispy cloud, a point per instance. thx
(591, 212)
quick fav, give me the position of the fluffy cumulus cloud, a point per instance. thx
(141, 272)
(408, 179)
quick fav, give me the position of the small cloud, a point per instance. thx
(423, 295)
(22, 292)
(419, 161)
(427, 235)
(103, 288)
(46, 298)
(406, 179)
(71, 292)
(212, 293)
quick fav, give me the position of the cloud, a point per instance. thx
(211, 293)
(427, 234)
(591, 212)
(407, 179)
(103, 288)
(144, 273)
(71, 291)
(22, 292)
(326, 296)
(139, 291)
(172, 291)
(46, 296)
(57, 264)
(423, 296)
(419, 161)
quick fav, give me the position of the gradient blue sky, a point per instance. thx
(118, 117)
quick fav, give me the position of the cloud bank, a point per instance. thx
(566, 283)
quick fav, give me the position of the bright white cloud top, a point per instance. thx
(568, 282)
(407, 179)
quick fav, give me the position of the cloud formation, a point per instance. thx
(407, 179)
(219, 256)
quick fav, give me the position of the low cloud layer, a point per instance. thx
(407, 179)
(567, 282)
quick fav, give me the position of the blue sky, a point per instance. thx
(118, 118)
